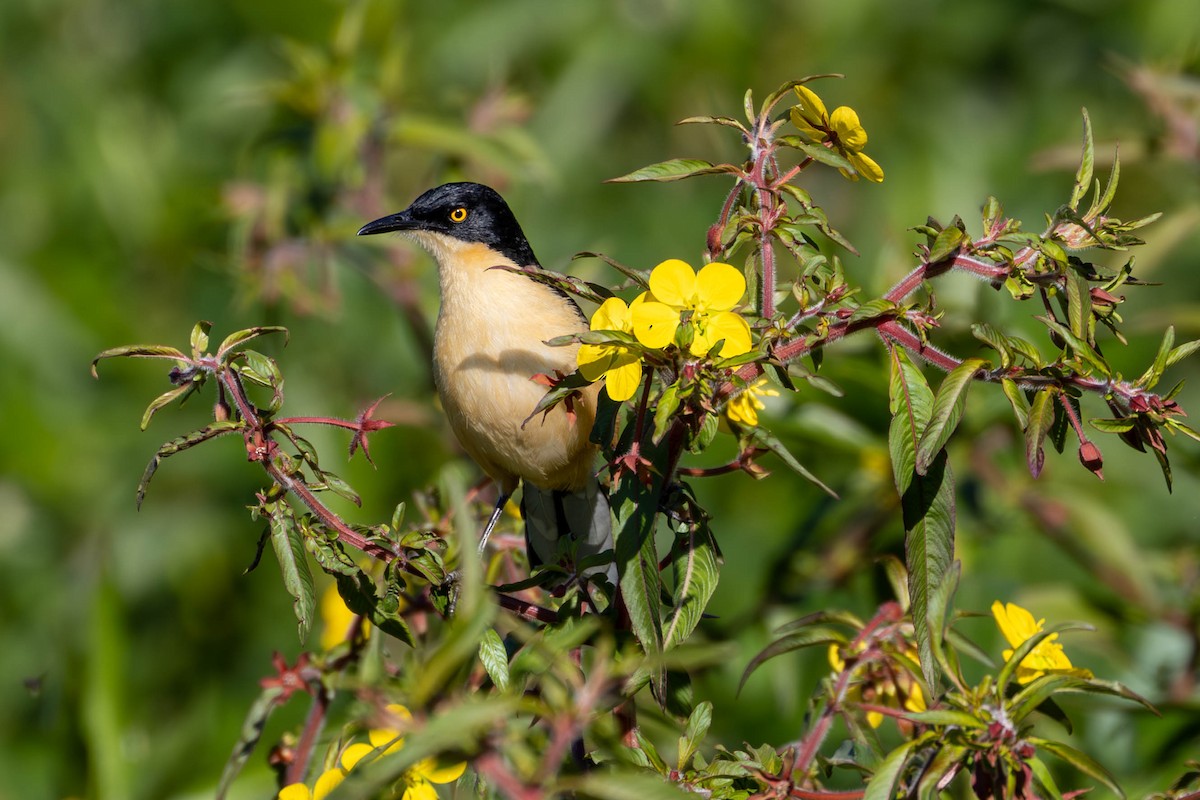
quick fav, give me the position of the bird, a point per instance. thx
(489, 343)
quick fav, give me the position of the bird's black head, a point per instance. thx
(470, 212)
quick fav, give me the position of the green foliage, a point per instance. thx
(149, 159)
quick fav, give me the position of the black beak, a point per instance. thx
(401, 221)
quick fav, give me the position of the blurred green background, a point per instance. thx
(162, 163)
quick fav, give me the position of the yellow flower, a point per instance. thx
(703, 301)
(745, 407)
(1018, 626)
(325, 784)
(841, 130)
(620, 366)
(883, 682)
(418, 779)
(336, 619)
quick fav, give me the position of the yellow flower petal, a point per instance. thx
(355, 753)
(294, 791)
(811, 109)
(420, 790)
(336, 619)
(725, 325)
(673, 282)
(866, 166)
(654, 323)
(874, 719)
(623, 379)
(432, 771)
(835, 652)
(328, 781)
(851, 135)
(719, 287)
(594, 360)
(612, 315)
(1014, 622)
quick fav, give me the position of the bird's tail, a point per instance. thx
(583, 515)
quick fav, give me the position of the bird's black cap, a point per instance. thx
(470, 212)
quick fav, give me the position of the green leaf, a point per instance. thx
(948, 242)
(664, 410)
(796, 640)
(1181, 352)
(165, 399)
(1018, 401)
(728, 122)
(241, 337)
(883, 783)
(199, 337)
(622, 785)
(764, 438)
(139, 351)
(874, 309)
(1080, 761)
(1113, 425)
(929, 520)
(947, 412)
(946, 717)
(1038, 422)
(818, 152)
(1043, 776)
(634, 511)
(1083, 176)
(911, 403)
(1078, 346)
(674, 170)
(252, 729)
(494, 658)
(1079, 304)
(288, 543)
(1154, 373)
(697, 567)
(693, 735)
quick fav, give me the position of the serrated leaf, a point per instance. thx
(1078, 346)
(929, 521)
(1037, 425)
(911, 403)
(674, 170)
(697, 569)
(947, 412)
(995, 340)
(288, 543)
(494, 657)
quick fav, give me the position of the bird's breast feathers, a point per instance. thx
(488, 346)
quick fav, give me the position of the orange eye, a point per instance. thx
(458, 215)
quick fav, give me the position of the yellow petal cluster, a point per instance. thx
(701, 303)
(1018, 626)
(744, 408)
(881, 683)
(418, 780)
(620, 366)
(841, 130)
